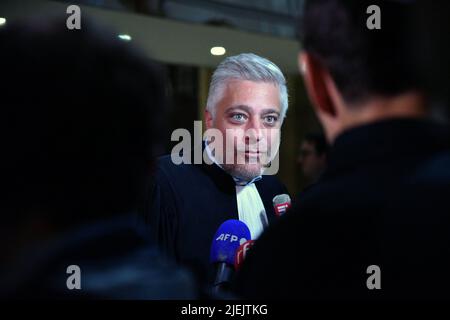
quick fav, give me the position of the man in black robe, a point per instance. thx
(188, 202)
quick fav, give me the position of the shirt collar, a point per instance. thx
(242, 182)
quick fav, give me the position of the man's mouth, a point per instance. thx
(253, 153)
(254, 156)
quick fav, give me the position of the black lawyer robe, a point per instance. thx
(188, 203)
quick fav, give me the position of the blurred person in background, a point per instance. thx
(313, 156)
(80, 121)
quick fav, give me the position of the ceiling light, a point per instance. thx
(125, 37)
(218, 51)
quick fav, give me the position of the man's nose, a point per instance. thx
(255, 131)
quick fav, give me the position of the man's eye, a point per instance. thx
(239, 117)
(271, 119)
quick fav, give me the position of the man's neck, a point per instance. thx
(410, 105)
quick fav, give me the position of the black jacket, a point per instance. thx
(114, 261)
(189, 202)
(384, 200)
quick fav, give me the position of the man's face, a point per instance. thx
(312, 163)
(248, 115)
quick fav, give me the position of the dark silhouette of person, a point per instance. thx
(377, 225)
(312, 157)
(80, 119)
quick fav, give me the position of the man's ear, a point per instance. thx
(208, 119)
(315, 77)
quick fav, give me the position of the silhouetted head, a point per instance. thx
(80, 118)
(354, 72)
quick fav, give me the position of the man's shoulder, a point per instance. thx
(187, 176)
(166, 161)
(417, 182)
(168, 174)
(169, 167)
(434, 171)
(428, 188)
(272, 182)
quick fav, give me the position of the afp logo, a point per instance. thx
(230, 238)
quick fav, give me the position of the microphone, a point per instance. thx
(281, 203)
(230, 235)
(241, 253)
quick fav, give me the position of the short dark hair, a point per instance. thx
(362, 62)
(80, 118)
(433, 51)
(319, 141)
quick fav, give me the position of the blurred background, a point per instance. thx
(190, 38)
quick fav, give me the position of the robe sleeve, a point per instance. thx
(161, 214)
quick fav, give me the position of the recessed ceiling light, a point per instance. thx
(125, 37)
(2, 21)
(218, 51)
